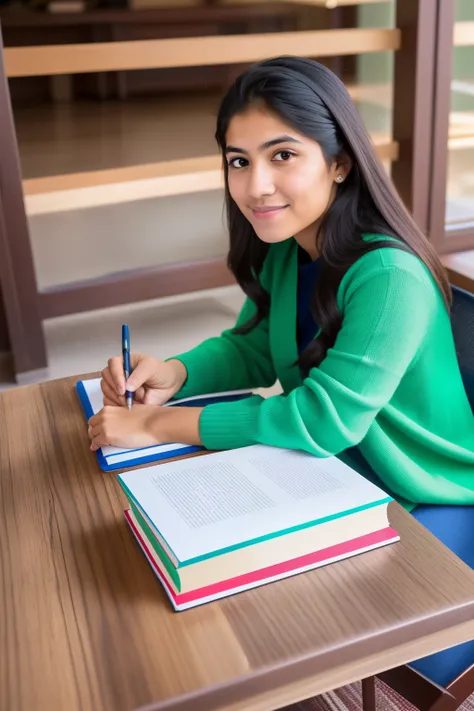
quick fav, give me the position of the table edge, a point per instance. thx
(296, 670)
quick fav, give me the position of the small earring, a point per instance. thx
(340, 178)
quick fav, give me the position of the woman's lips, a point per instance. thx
(264, 213)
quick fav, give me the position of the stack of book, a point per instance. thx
(222, 523)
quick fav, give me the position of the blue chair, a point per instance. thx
(410, 684)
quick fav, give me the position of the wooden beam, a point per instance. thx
(459, 239)
(61, 193)
(193, 51)
(463, 34)
(137, 285)
(76, 191)
(413, 91)
(17, 269)
(440, 109)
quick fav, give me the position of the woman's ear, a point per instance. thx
(341, 168)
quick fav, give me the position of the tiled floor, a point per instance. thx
(83, 343)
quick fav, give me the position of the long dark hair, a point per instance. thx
(311, 99)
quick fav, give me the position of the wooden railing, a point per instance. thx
(25, 305)
(192, 51)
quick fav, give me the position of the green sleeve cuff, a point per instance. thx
(230, 425)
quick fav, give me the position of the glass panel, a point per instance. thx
(87, 136)
(460, 188)
(373, 91)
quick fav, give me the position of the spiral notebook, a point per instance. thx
(112, 458)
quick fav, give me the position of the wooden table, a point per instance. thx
(460, 267)
(85, 625)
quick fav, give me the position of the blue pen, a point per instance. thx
(126, 362)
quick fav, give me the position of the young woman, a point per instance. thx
(348, 307)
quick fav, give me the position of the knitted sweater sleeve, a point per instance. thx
(386, 310)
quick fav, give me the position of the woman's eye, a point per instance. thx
(283, 156)
(238, 163)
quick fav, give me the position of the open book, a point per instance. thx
(111, 458)
(229, 521)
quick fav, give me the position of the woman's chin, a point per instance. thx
(272, 236)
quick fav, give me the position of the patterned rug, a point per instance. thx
(349, 698)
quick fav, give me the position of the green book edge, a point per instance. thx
(260, 539)
(156, 546)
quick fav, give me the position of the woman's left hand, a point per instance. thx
(120, 427)
(144, 426)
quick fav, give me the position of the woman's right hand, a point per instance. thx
(152, 381)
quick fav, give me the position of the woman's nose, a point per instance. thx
(261, 182)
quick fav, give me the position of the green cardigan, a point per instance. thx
(391, 383)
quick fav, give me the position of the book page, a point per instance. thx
(206, 504)
(94, 393)
(211, 493)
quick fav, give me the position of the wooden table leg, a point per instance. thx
(368, 694)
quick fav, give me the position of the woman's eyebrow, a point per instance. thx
(268, 144)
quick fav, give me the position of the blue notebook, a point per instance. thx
(111, 458)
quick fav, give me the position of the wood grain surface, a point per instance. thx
(50, 60)
(85, 625)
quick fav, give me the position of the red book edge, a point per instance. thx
(377, 538)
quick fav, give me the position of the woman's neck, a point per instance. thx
(307, 241)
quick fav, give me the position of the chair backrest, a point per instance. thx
(462, 320)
